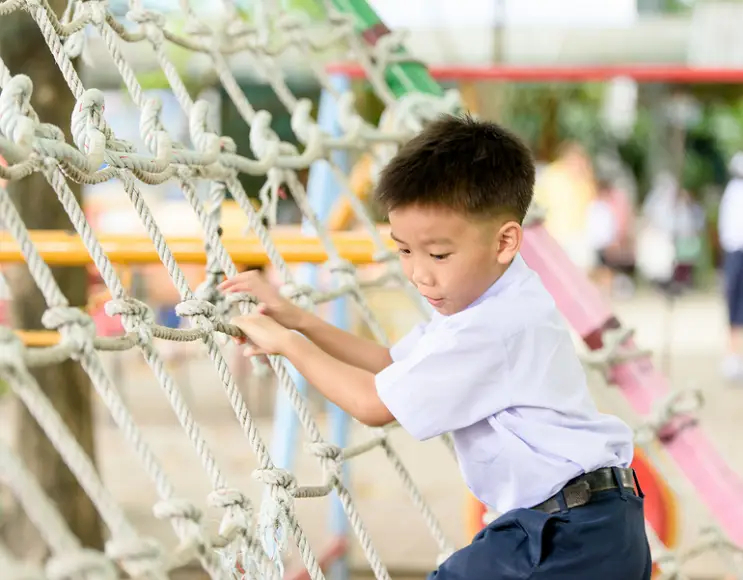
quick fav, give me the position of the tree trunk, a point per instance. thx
(24, 51)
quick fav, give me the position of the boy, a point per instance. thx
(495, 366)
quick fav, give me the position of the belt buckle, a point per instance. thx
(577, 494)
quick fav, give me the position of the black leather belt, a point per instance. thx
(578, 491)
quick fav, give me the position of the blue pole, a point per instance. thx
(322, 191)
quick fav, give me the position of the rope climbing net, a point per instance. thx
(257, 538)
(99, 156)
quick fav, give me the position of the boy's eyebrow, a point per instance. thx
(432, 241)
(427, 242)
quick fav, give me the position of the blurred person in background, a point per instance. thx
(565, 188)
(730, 231)
(610, 229)
(670, 238)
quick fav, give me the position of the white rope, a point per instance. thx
(213, 158)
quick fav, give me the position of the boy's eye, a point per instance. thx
(403, 250)
(440, 256)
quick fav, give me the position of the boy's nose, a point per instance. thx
(421, 277)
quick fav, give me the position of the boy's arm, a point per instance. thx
(351, 387)
(344, 346)
(356, 351)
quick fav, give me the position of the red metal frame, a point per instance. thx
(649, 73)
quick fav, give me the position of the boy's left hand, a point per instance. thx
(266, 335)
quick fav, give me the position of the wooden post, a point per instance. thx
(24, 51)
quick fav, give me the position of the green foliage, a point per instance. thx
(546, 114)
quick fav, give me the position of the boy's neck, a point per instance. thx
(500, 280)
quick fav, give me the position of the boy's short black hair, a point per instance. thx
(476, 167)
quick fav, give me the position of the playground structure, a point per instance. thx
(667, 424)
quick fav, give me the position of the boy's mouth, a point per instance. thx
(434, 301)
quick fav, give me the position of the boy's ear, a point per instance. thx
(508, 241)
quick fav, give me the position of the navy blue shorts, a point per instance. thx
(602, 540)
(732, 269)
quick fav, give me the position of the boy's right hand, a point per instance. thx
(271, 302)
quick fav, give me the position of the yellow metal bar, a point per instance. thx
(360, 182)
(60, 248)
(38, 338)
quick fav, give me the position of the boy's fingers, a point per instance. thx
(238, 280)
(231, 285)
(250, 351)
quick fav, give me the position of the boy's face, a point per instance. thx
(449, 257)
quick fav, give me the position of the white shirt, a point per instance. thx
(730, 221)
(504, 378)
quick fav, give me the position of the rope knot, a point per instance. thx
(263, 141)
(341, 266)
(206, 141)
(74, 44)
(146, 17)
(176, 508)
(276, 513)
(236, 520)
(136, 317)
(76, 327)
(11, 349)
(325, 450)
(227, 144)
(189, 516)
(151, 129)
(196, 27)
(97, 10)
(299, 293)
(16, 122)
(302, 123)
(225, 497)
(331, 457)
(205, 312)
(87, 126)
(614, 350)
(672, 415)
(239, 298)
(82, 564)
(351, 123)
(276, 477)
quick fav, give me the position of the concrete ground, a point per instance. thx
(395, 526)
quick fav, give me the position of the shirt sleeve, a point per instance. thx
(452, 378)
(405, 345)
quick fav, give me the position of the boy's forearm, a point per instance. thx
(352, 388)
(344, 346)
